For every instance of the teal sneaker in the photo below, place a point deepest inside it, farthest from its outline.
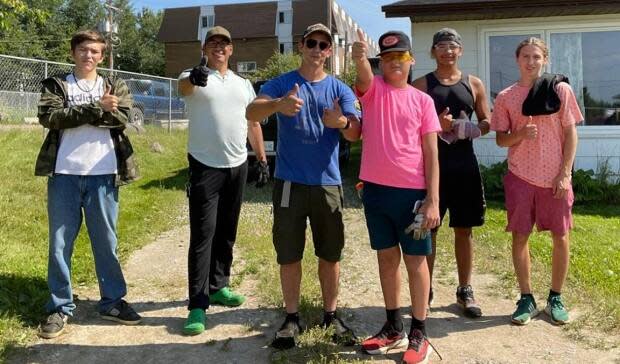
(226, 297)
(526, 310)
(195, 323)
(556, 310)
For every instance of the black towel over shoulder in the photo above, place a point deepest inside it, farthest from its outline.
(543, 99)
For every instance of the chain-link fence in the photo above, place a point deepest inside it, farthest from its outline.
(156, 99)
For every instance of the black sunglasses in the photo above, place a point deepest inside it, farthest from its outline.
(311, 43)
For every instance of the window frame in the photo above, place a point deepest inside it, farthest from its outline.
(576, 26)
(208, 17)
(245, 63)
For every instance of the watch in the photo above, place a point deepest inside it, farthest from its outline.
(348, 125)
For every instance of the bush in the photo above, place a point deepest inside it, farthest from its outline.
(588, 186)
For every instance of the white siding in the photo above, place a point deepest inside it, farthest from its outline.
(597, 144)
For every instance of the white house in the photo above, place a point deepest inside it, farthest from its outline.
(584, 42)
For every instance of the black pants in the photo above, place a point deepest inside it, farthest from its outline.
(215, 196)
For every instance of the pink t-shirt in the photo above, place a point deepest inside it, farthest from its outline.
(394, 121)
(537, 161)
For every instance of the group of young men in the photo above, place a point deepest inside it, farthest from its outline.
(417, 163)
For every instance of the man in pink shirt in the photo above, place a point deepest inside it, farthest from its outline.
(542, 147)
(399, 169)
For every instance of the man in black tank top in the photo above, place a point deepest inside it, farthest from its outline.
(457, 96)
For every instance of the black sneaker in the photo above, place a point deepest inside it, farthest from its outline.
(123, 313)
(286, 336)
(343, 335)
(53, 326)
(465, 298)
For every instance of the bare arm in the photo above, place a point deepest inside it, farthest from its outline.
(359, 54)
(354, 132)
(430, 209)
(420, 84)
(508, 139)
(481, 104)
(255, 136)
(185, 87)
(263, 105)
(562, 181)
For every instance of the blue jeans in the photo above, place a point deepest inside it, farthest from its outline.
(96, 197)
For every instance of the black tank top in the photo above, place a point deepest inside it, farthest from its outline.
(457, 97)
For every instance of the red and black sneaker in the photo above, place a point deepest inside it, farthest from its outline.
(419, 349)
(387, 339)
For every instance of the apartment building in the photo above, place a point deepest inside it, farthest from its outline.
(258, 30)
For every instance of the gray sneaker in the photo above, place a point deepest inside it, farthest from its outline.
(123, 313)
(53, 326)
(286, 337)
(465, 298)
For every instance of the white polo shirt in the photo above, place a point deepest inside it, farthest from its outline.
(218, 128)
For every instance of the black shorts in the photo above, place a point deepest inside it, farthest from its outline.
(462, 193)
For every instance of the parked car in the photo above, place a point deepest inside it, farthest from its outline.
(151, 101)
(270, 137)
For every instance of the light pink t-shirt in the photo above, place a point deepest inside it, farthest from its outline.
(537, 161)
(394, 121)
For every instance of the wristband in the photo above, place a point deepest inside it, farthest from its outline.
(348, 125)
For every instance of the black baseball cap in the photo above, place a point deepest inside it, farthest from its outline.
(394, 41)
(447, 35)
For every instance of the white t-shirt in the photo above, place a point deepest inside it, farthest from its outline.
(85, 150)
(218, 128)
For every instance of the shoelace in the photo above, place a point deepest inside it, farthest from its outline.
(556, 302)
(417, 337)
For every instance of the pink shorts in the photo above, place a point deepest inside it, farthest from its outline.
(527, 204)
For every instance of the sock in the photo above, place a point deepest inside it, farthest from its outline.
(292, 317)
(395, 319)
(527, 295)
(553, 293)
(418, 324)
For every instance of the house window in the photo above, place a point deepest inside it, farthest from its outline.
(590, 60)
(281, 48)
(589, 57)
(285, 17)
(246, 67)
(281, 17)
(208, 21)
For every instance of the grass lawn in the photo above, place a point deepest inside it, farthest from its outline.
(153, 204)
(147, 207)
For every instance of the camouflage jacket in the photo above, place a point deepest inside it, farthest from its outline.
(56, 115)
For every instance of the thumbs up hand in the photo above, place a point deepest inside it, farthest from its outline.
(445, 120)
(359, 50)
(109, 102)
(529, 131)
(199, 74)
(290, 104)
(333, 118)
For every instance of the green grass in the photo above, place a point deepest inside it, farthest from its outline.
(147, 207)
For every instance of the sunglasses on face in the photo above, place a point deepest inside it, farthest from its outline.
(311, 43)
(218, 44)
(397, 56)
(445, 46)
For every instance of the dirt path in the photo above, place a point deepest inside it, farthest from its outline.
(157, 274)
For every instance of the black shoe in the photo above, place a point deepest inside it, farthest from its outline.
(343, 335)
(53, 326)
(123, 313)
(286, 336)
(465, 298)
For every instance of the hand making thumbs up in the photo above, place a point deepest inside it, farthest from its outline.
(109, 102)
(360, 48)
(333, 118)
(200, 74)
(445, 119)
(290, 104)
(530, 130)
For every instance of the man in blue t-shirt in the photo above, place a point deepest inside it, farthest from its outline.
(313, 108)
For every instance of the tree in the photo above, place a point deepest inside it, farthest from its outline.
(278, 64)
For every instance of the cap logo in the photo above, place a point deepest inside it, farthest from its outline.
(389, 41)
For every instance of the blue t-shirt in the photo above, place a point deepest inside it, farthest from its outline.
(307, 150)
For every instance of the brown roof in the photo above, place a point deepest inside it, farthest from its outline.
(442, 10)
(179, 25)
(307, 13)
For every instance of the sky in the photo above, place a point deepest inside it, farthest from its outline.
(367, 13)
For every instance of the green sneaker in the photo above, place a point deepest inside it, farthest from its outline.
(556, 310)
(226, 297)
(195, 323)
(526, 310)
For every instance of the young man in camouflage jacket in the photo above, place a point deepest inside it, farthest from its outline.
(86, 156)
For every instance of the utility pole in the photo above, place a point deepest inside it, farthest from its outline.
(109, 28)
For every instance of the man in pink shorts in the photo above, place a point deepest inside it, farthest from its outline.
(535, 118)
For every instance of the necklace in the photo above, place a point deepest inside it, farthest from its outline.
(77, 82)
